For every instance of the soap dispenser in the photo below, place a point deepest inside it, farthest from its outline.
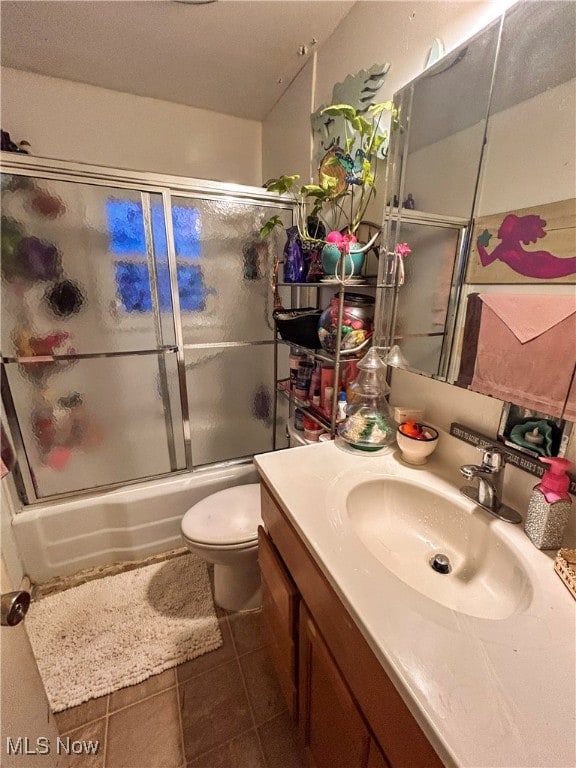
(549, 505)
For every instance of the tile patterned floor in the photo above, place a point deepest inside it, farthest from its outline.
(221, 710)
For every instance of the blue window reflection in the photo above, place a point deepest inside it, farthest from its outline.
(125, 223)
(133, 283)
(127, 237)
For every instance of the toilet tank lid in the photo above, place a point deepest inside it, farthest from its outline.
(231, 516)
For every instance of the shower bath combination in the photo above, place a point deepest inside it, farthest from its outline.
(137, 348)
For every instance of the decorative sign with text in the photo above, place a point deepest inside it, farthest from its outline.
(527, 463)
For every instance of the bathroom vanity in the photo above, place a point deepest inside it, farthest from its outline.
(382, 660)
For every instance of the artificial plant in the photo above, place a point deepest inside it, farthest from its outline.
(347, 174)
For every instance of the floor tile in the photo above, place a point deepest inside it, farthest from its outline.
(279, 741)
(83, 713)
(247, 631)
(146, 735)
(211, 659)
(94, 732)
(133, 693)
(214, 709)
(264, 691)
(241, 752)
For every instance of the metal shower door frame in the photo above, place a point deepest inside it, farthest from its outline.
(146, 184)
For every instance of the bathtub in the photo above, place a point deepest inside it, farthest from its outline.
(61, 538)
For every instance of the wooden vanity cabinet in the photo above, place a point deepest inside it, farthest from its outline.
(349, 713)
(280, 600)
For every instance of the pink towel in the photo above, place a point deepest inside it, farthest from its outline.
(570, 409)
(529, 316)
(527, 350)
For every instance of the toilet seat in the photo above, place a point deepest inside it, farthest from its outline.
(224, 547)
(226, 519)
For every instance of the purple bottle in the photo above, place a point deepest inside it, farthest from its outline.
(293, 257)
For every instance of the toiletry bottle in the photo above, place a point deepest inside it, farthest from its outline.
(303, 379)
(341, 415)
(327, 404)
(326, 381)
(296, 357)
(549, 506)
(314, 381)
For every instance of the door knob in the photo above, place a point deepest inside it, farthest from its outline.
(14, 607)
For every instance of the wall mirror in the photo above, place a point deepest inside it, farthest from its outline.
(462, 169)
(433, 170)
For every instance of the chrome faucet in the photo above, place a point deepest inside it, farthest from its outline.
(490, 476)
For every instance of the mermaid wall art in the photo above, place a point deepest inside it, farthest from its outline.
(531, 245)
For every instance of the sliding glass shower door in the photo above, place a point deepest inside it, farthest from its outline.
(88, 338)
(136, 330)
(227, 327)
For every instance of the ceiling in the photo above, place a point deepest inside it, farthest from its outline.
(231, 56)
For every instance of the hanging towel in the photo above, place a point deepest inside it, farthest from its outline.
(526, 350)
(529, 316)
(570, 408)
(470, 340)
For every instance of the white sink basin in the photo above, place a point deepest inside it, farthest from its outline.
(404, 525)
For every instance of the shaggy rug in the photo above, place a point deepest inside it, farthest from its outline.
(120, 630)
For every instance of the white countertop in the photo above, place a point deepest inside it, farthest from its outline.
(486, 692)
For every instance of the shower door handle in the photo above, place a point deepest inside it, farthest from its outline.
(14, 607)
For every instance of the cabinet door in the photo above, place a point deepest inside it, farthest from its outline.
(332, 730)
(280, 611)
(375, 757)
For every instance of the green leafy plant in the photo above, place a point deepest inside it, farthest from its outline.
(347, 182)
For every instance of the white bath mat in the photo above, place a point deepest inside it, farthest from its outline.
(120, 630)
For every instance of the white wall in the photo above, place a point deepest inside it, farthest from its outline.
(399, 32)
(530, 158)
(25, 709)
(286, 132)
(373, 32)
(11, 559)
(74, 121)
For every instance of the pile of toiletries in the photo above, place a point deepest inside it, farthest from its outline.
(313, 383)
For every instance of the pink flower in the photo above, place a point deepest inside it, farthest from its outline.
(402, 249)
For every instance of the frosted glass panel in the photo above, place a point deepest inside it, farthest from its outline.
(422, 353)
(423, 299)
(224, 269)
(99, 421)
(78, 272)
(230, 401)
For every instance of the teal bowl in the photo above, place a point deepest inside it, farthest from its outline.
(332, 265)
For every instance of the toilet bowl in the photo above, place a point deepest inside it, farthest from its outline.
(223, 530)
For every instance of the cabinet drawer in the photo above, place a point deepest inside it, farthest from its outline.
(282, 592)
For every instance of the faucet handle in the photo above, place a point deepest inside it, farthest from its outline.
(492, 457)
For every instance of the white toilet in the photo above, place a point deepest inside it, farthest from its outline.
(223, 529)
